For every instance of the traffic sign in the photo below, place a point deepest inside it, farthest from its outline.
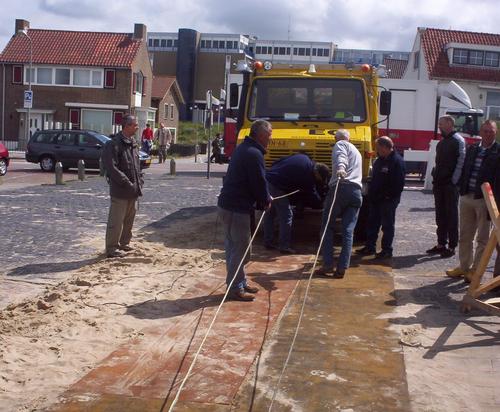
(28, 99)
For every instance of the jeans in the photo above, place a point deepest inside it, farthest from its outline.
(346, 207)
(282, 208)
(236, 240)
(446, 202)
(381, 214)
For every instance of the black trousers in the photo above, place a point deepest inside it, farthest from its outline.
(446, 203)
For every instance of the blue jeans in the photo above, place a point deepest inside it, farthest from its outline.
(381, 214)
(282, 208)
(236, 239)
(346, 207)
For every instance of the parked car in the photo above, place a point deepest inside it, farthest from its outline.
(4, 159)
(48, 147)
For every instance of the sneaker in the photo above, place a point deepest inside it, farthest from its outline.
(384, 254)
(435, 250)
(365, 251)
(288, 251)
(114, 254)
(457, 272)
(241, 295)
(339, 274)
(446, 253)
(326, 272)
(126, 248)
(251, 289)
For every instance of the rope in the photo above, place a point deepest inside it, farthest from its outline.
(220, 306)
(305, 298)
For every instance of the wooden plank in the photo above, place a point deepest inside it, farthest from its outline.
(470, 301)
(485, 287)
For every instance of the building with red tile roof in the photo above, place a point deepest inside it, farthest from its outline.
(79, 79)
(395, 67)
(167, 99)
(471, 59)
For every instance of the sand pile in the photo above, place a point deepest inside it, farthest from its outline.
(48, 343)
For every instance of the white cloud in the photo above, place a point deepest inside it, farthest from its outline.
(389, 24)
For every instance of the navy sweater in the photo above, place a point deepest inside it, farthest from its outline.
(245, 184)
(388, 178)
(295, 172)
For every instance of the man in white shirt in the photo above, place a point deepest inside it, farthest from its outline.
(347, 173)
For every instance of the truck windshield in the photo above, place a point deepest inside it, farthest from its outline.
(320, 99)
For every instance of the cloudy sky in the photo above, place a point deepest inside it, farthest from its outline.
(369, 24)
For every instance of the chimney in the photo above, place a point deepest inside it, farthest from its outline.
(22, 25)
(140, 31)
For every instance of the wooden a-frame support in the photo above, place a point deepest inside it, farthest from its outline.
(476, 289)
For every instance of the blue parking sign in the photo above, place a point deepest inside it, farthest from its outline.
(28, 99)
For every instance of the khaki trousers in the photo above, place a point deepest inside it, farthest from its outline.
(473, 218)
(120, 221)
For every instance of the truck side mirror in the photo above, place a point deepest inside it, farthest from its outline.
(385, 103)
(233, 94)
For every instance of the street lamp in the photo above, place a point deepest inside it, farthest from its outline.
(25, 32)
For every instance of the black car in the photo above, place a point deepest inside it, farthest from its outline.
(48, 147)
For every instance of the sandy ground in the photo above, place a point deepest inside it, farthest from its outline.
(49, 342)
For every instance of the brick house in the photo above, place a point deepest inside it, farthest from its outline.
(82, 80)
(167, 99)
(470, 59)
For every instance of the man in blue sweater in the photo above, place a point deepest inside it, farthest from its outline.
(295, 172)
(384, 194)
(244, 189)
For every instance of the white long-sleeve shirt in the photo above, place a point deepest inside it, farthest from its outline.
(346, 157)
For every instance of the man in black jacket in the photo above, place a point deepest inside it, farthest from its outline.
(121, 161)
(450, 154)
(481, 165)
(244, 189)
(384, 195)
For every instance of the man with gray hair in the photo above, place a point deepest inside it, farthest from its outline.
(347, 173)
(121, 161)
(450, 156)
(244, 190)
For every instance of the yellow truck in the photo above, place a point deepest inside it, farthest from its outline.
(306, 104)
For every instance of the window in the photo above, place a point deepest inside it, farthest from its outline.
(222, 44)
(165, 111)
(163, 43)
(86, 140)
(476, 57)
(176, 42)
(109, 78)
(63, 76)
(282, 51)
(156, 42)
(308, 52)
(17, 74)
(74, 116)
(314, 52)
(288, 50)
(66, 139)
(81, 77)
(416, 62)
(98, 120)
(258, 50)
(295, 51)
(45, 137)
(235, 44)
(150, 42)
(320, 52)
(491, 59)
(138, 82)
(460, 56)
(202, 44)
(172, 111)
(44, 75)
(169, 42)
(326, 52)
(209, 44)
(27, 75)
(96, 78)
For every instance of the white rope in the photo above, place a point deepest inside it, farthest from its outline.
(305, 298)
(220, 306)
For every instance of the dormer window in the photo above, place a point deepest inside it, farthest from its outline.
(474, 55)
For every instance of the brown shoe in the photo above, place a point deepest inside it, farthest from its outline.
(251, 289)
(240, 295)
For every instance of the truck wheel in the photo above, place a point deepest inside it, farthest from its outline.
(47, 163)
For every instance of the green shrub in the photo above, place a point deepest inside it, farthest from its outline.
(192, 133)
